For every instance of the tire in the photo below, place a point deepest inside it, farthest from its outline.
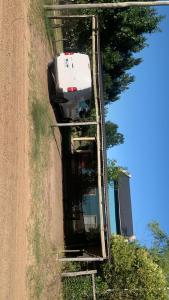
(61, 100)
(67, 120)
(51, 84)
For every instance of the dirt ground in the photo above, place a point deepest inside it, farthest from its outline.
(30, 209)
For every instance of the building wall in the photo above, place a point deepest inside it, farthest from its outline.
(125, 209)
(120, 206)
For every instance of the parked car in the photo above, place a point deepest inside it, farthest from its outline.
(70, 84)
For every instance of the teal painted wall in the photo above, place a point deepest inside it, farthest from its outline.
(91, 206)
(112, 208)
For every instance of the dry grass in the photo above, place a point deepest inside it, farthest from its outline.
(43, 274)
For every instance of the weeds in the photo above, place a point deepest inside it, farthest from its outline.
(79, 287)
(36, 283)
(43, 271)
(41, 123)
(49, 31)
(40, 250)
(37, 240)
(39, 18)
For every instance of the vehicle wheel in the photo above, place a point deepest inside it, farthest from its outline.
(61, 100)
(67, 120)
(51, 84)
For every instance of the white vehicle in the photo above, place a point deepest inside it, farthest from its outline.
(72, 83)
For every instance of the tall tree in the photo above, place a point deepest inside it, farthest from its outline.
(160, 247)
(132, 274)
(122, 34)
(113, 137)
(113, 170)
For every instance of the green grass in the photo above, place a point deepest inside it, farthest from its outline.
(54, 36)
(37, 243)
(36, 283)
(41, 135)
(50, 32)
(43, 270)
(39, 286)
(39, 18)
(41, 124)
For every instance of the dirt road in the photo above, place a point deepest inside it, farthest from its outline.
(14, 145)
(15, 148)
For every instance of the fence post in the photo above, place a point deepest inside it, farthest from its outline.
(94, 287)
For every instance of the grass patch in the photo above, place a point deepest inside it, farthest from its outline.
(39, 286)
(55, 36)
(39, 18)
(43, 271)
(37, 243)
(49, 31)
(41, 124)
(36, 283)
(79, 287)
(40, 250)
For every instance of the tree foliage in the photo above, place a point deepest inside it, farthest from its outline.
(113, 137)
(132, 274)
(160, 248)
(113, 170)
(122, 34)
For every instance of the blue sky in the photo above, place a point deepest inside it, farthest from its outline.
(142, 114)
